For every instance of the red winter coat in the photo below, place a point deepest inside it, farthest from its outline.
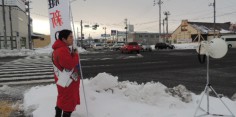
(68, 97)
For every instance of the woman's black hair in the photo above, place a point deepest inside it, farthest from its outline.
(62, 34)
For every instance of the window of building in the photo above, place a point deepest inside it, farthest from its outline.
(23, 42)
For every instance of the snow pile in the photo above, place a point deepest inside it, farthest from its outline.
(186, 46)
(180, 92)
(40, 100)
(9, 91)
(106, 97)
(15, 52)
(48, 50)
(27, 52)
(103, 81)
(44, 50)
(234, 97)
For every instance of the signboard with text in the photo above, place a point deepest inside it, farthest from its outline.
(113, 32)
(59, 16)
(105, 35)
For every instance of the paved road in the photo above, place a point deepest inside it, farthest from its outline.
(170, 67)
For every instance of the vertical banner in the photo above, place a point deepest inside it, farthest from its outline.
(59, 16)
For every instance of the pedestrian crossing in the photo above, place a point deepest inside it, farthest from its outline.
(38, 69)
(29, 70)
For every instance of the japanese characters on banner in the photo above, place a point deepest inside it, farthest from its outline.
(59, 16)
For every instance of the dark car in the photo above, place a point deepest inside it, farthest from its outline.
(164, 46)
(130, 47)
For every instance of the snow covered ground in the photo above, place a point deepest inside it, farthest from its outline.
(106, 97)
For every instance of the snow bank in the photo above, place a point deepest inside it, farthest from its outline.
(106, 97)
(15, 52)
(186, 46)
(27, 52)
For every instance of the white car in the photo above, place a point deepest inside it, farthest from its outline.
(145, 47)
(117, 45)
(98, 46)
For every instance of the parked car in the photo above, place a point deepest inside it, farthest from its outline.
(145, 47)
(164, 46)
(230, 40)
(98, 46)
(130, 47)
(117, 45)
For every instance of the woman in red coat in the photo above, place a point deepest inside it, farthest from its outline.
(66, 59)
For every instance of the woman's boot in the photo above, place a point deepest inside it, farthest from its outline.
(66, 114)
(58, 112)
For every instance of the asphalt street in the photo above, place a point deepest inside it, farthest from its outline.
(169, 67)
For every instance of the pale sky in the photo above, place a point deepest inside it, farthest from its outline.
(140, 13)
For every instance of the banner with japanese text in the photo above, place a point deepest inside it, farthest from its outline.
(59, 16)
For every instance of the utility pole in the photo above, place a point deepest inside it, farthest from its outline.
(81, 43)
(126, 27)
(89, 40)
(159, 3)
(166, 13)
(77, 33)
(105, 28)
(214, 8)
(11, 27)
(27, 3)
(164, 29)
(4, 25)
(214, 4)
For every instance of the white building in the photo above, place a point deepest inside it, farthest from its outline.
(16, 21)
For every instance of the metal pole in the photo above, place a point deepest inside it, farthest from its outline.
(167, 13)
(214, 5)
(164, 29)
(29, 28)
(208, 82)
(73, 25)
(4, 25)
(81, 24)
(77, 36)
(105, 32)
(89, 40)
(167, 25)
(126, 33)
(11, 27)
(160, 2)
(126, 29)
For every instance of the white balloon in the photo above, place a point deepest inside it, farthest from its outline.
(217, 48)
